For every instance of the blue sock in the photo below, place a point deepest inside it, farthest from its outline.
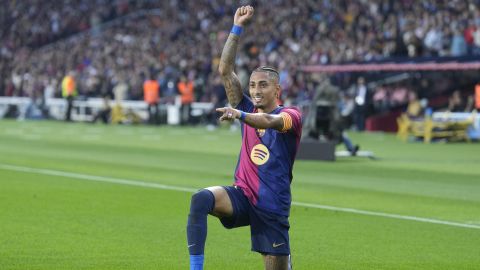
(196, 262)
(202, 203)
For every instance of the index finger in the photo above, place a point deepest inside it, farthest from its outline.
(221, 109)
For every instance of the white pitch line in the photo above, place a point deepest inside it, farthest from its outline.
(380, 214)
(95, 178)
(131, 182)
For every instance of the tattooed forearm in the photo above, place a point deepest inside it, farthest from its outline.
(227, 60)
(233, 88)
(264, 121)
(226, 69)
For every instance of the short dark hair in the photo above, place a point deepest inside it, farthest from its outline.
(272, 72)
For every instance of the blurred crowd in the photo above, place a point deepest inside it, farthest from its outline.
(35, 23)
(106, 43)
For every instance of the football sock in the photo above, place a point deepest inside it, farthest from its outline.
(202, 203)
(196, 262)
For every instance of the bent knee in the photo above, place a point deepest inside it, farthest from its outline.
(202, 195)
(223, 205)
(202, 201)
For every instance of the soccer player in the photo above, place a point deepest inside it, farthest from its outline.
(260, 196)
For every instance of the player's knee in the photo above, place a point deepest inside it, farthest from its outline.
(202, 201)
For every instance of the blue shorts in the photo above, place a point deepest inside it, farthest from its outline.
(269, 231)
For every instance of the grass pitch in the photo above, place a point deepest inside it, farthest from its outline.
(53, 217)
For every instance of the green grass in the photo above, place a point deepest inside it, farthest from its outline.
(59, 222)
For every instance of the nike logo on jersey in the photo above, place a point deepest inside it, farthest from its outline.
(275, 245)
(189, 246)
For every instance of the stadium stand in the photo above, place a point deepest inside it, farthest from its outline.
(104, 41)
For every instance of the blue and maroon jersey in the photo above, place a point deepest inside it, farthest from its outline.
(264, 168)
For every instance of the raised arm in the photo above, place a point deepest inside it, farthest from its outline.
(227, 60)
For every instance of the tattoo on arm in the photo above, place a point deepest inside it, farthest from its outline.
(226, 69)
(264, 120)
(233, 89)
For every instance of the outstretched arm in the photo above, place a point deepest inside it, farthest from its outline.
(280, 122)
(227, 60)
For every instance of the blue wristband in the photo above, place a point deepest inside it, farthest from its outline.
(237, 30)
(242, 116)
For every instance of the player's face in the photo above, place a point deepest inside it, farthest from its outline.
(263, 90)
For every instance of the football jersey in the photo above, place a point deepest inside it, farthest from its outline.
(264, 168)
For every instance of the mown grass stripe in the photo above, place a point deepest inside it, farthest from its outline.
(137, 183)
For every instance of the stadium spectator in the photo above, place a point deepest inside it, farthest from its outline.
(399, 95)
(381, 99)
(186, 89)
(476, 42)
(434, 40)
(340, 119)
(362, 97)
(151, 96)
(414, 108)
(456, 102)
(468, 36)
(104, 113)
(459, 46)
(346, 107)
(49, 91)
(477, 97)
(219, 99)
(120, 90)
(69, 92)
(34, 108)
(470, 103)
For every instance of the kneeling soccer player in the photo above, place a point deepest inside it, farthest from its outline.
(260, 196)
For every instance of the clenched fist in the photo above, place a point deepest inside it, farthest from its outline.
(243, 15)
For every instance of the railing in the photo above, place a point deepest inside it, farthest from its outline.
(84, 110)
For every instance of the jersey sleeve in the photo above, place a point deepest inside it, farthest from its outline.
(292, 120)
(245, 104)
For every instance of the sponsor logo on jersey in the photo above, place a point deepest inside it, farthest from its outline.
(259, 154)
